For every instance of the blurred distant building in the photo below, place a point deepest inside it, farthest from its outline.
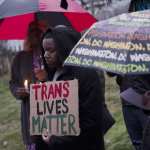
(15, 45)
(103, 9)
(94, 5)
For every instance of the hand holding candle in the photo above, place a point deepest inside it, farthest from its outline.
(23, 92)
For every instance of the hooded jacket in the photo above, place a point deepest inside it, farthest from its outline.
(90, 113)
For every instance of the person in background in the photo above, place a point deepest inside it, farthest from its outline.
(135, 117)
(57, 44)
(27, 65)
(141, 84)
(137, 5)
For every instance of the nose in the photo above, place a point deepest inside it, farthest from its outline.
(47, 55)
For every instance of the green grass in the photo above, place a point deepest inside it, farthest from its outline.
(10, 137)
(117, 137)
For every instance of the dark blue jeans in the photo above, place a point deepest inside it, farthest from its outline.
(135, 121)
(146, 136)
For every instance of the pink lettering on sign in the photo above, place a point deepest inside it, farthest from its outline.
(36, 89)
(51, 91)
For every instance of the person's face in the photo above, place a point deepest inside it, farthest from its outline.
(50, 52)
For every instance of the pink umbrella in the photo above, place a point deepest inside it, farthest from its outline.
(19, 14)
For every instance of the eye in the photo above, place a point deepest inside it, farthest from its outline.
(53, 51)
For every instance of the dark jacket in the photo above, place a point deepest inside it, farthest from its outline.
(124, 82)
(22, 69)
(141, 83)
(90, 113)
(108, 120)
(146, 136)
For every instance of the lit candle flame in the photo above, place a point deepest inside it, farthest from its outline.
(26, 84)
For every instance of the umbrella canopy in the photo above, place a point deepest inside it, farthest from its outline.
(17, 7)
(16, 16)
(120, 45)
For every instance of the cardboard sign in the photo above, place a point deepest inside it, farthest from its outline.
(54, 106)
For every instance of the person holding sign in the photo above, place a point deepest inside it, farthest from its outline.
(23, 69)
(57, 44)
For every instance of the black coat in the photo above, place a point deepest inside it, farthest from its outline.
(90, 113)
(21, 70)
(141, 83)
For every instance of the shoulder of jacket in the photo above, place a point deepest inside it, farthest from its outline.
(22, 54)
(85, 73)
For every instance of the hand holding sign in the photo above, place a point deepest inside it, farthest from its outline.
(46, 136)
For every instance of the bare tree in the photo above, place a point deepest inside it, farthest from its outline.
(6, 56)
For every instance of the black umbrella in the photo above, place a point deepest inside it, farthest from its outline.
(120, 45)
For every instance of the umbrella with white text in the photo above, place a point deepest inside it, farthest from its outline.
(119, 45)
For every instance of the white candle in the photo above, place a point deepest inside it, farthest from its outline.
(26, 84)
